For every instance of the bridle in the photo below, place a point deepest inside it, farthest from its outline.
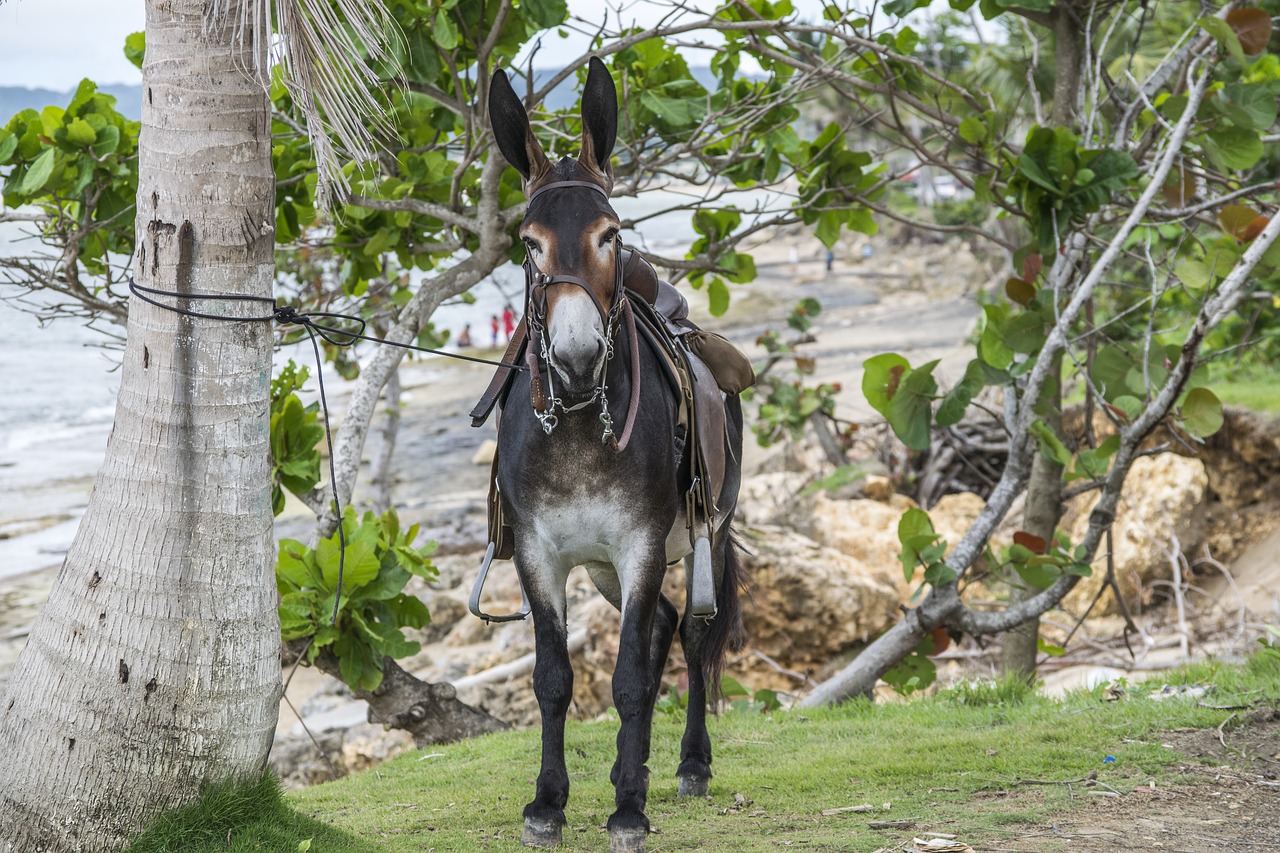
(544, 400)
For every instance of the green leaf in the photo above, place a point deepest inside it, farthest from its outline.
(1049, 648)
(915, 532)
(1050, 445)
(1040, 575)
(1202, 412)
(81, 133)
(545, 13)
(135, 46)
(1251, 106)
(1223, 35)
(717, 296)
(882, 374)
(446, 31)
(915, 671)
(1237, 148)
(38, 173)
(8, 144)
(991, 345)
(911, 409)
(972, 130)
(730, 687)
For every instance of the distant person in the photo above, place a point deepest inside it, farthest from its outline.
(831, 258)
(493, 327)
(508, 321)
(464, 339)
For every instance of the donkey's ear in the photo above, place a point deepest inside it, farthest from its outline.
(511, 129)
(599, 118)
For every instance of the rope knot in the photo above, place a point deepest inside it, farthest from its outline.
(286, 314)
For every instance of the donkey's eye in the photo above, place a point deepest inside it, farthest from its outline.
(609, 236)
(531, 244)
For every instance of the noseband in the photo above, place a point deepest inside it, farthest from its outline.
(545, 402)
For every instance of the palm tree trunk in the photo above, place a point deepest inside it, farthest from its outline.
(154, 668)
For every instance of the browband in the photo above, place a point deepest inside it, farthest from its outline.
(555, 185)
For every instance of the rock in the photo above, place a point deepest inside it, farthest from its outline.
(485, 452)
(878, 488)
(299, 762)
(954, 514)
(811, 601)
(1243, 459)
(865, 530)
(762, 497)
(368, 745)
(1163, 498)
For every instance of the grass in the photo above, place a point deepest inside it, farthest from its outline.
(1255, 387)
(941, 759)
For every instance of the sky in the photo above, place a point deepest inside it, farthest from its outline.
(53, 44)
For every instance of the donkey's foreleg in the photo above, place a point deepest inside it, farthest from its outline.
(553, 685)
(665, 620)
(634, 691)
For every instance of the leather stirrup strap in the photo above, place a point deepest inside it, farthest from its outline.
(501, 376)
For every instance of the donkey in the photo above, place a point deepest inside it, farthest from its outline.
(575, 495)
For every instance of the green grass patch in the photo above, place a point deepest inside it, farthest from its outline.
(1254, 387)
(952, 759)
(243, 818)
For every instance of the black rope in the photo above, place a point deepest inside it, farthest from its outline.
(288, 315)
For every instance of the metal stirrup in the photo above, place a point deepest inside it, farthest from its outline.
(473, 603)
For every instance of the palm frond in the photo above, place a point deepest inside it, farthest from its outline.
(328, 50)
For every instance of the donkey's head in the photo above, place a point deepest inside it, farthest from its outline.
(569, 231)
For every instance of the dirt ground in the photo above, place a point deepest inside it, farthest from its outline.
(1229, 799)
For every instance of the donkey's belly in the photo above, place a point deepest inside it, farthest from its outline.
(599, 529)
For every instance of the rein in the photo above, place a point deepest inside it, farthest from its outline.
(543, 399)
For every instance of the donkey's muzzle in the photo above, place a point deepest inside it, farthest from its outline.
(578, 363)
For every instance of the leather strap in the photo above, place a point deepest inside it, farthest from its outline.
(555, 185)
(634, 403)
(502, 376)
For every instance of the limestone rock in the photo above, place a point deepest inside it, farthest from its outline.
(485, 452)
(763, 497)
(864, 530)
(954, 514)
(878, 488)
(1163, 497)
(811, 601)
(299, 761)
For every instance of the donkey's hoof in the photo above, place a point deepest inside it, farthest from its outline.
(630, 840)
(539, 832)
(693, 786)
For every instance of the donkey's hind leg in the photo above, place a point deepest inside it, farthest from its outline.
(705, 643)
(553, 685)
(694, 772)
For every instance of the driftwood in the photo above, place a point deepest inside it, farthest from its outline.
(432, 713)
(966, 457)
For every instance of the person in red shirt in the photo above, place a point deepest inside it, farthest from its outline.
(508, 321)
(493, 327)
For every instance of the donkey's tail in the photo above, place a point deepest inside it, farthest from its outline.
(726, 632)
